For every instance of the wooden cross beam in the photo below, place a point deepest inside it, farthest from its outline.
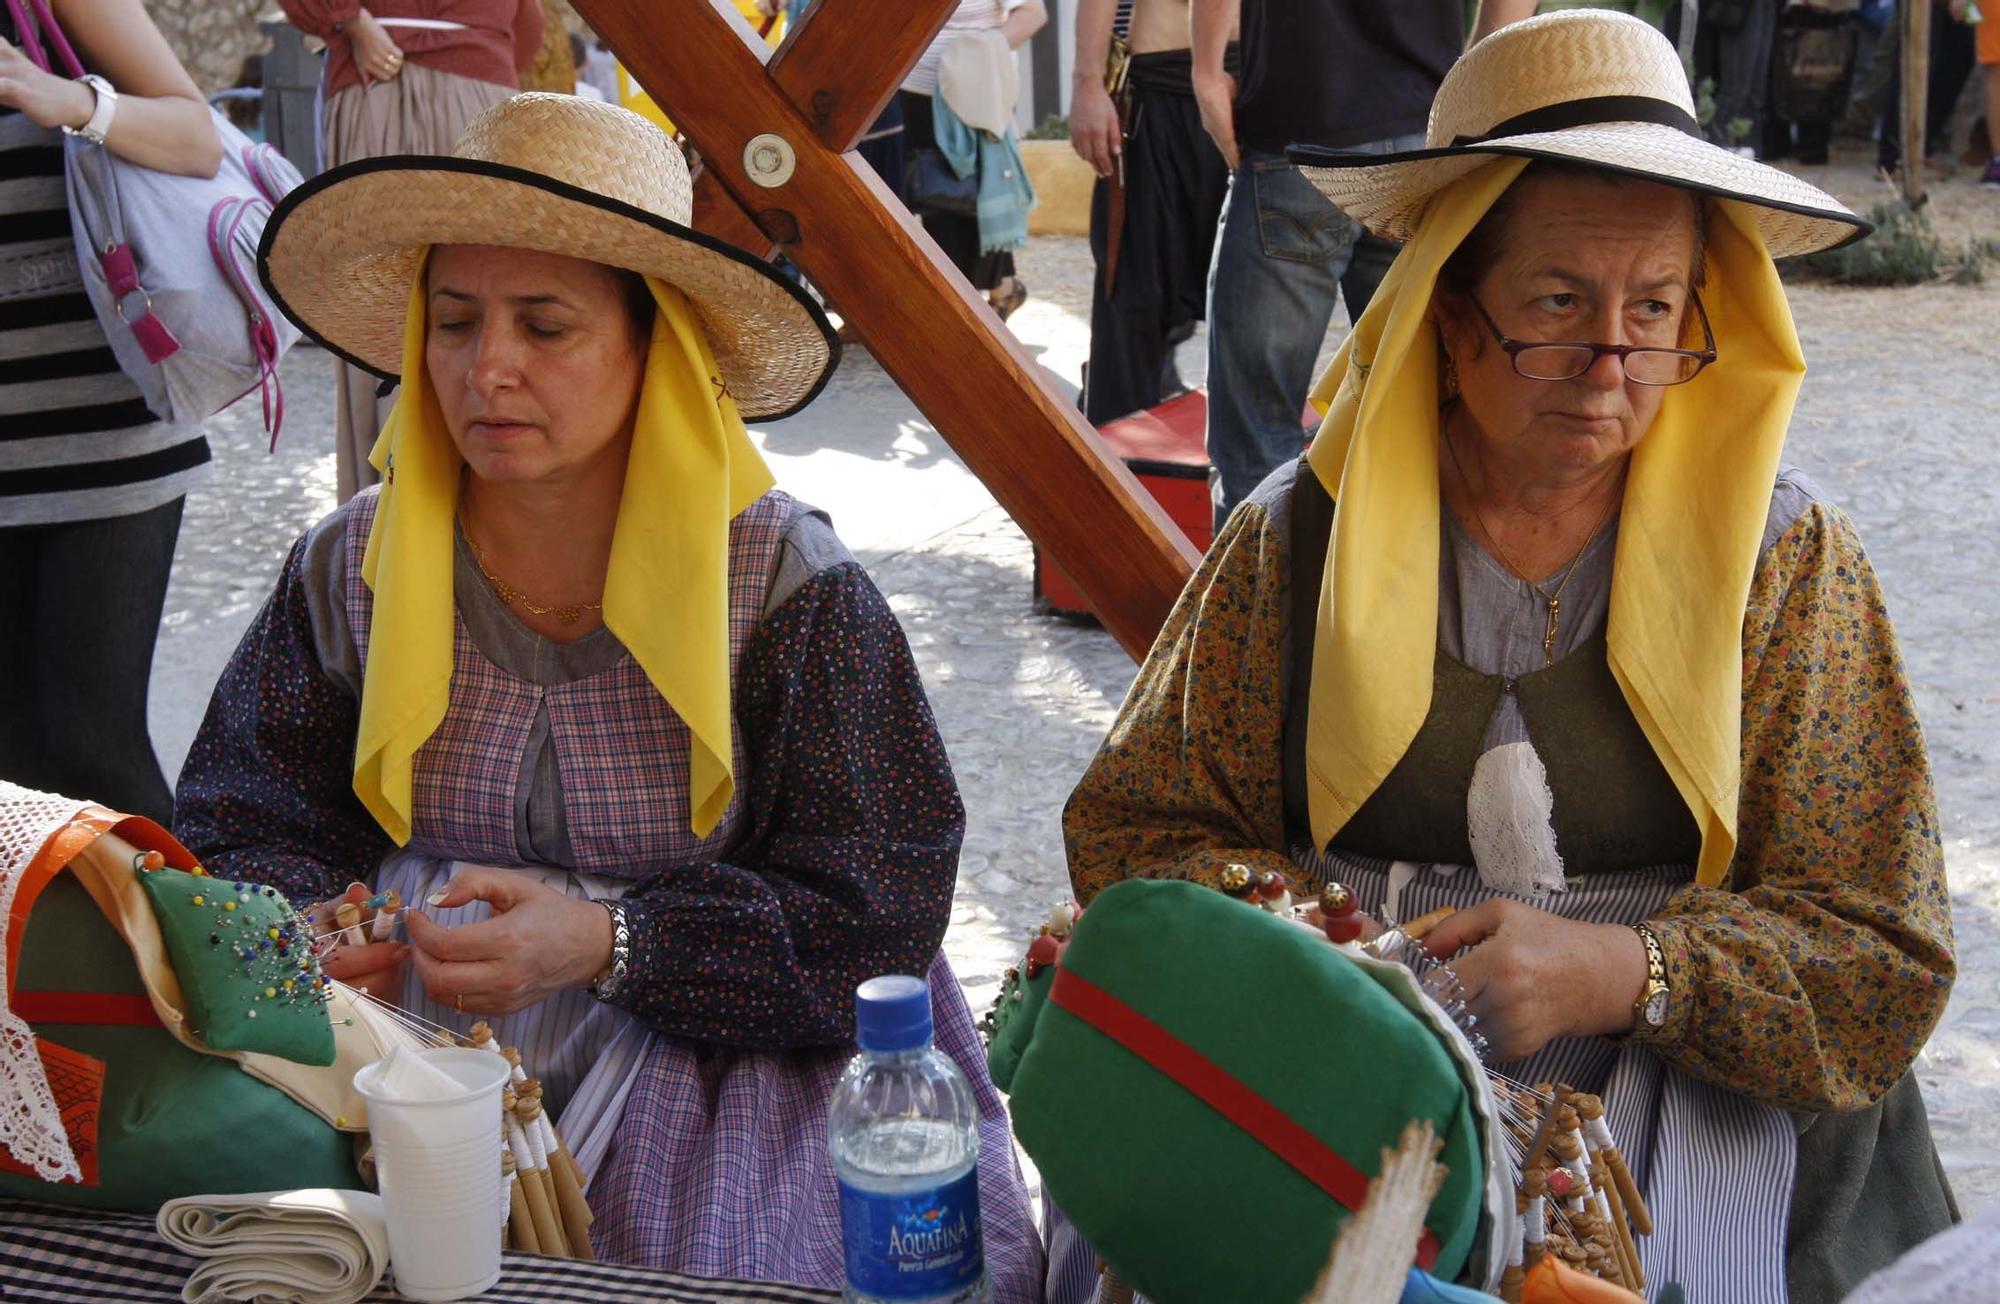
(933, 334)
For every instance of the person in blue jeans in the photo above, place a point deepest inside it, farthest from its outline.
(1283, 254)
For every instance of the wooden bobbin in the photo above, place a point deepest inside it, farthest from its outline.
(1628, 1190)
(567, 1192)
(1423, 924)
(1628, 1249)
(1510, 1284)
(1534, 1186)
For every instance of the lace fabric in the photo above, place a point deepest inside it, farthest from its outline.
(1510, 814)
(31, 1128)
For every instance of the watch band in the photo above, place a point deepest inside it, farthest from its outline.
(607, 984)
(99, 125)
(1649, 1011)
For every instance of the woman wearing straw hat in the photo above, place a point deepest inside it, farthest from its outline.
(631, 723)
(1544, 602)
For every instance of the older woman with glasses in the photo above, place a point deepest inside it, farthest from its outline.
(1542, 634)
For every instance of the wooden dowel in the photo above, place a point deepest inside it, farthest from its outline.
(519, 1224)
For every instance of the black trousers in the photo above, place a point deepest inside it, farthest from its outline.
(79, 616)
(956, 235)
(1175, 182)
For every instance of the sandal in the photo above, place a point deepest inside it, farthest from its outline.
(1016, 295)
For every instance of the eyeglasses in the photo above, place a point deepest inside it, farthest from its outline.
(1644, 364)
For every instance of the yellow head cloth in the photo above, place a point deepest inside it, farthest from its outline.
(1696, 497)
(692, 468)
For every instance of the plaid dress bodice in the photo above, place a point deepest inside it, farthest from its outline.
(622, 752)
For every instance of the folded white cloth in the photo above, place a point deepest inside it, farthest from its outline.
(315, 1246)
(981, 79)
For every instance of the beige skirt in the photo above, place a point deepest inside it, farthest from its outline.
(420, 111)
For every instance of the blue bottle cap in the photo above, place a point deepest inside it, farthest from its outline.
(892, 1012)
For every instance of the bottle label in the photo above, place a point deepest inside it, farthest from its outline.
(913, 1244)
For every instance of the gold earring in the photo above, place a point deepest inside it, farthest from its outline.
(1450, 374)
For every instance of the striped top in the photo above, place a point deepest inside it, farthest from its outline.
(970, 16)
(76, 439)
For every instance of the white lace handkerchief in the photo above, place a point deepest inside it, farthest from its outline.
(31, 1126)
(1509, 816)
(315, 1246)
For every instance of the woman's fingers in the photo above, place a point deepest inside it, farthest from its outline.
(374, 967)
(486, 940)
(1467, 927)
(473, 987)
(502, 889)
(345, 961)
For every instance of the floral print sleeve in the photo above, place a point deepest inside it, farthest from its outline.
(1188, 780)
(1812, 977)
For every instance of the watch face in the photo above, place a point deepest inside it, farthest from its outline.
(1656, 1008)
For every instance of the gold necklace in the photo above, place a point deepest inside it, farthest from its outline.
(1553, 601)
(511, 595)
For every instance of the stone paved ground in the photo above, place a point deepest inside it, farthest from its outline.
(1899, 420)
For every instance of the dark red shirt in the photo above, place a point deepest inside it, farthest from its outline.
(497, 43)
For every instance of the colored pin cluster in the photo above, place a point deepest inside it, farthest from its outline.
(1045, 948)
(277, 959)
(1270, 889)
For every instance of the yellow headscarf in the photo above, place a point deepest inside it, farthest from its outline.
(1696, 498)
(692, 468)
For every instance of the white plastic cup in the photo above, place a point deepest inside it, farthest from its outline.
(438, 1163)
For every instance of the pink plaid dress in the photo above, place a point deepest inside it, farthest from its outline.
(717, 1160)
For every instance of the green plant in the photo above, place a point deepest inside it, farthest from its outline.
(1903, 250)
(1053, 127)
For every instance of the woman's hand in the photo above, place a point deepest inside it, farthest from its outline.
(46, 99)
(1024, 22)
(378, 57)
(1532, 976)
(373, 967)
(537, 943)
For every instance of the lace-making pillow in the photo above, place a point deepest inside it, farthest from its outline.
(245, 963)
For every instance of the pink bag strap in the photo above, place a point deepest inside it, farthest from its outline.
(31, 30)
(225, 220)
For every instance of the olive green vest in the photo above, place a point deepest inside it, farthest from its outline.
(1615, 806)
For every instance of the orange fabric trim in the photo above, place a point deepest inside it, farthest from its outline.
(65, 845)
(77, 1080)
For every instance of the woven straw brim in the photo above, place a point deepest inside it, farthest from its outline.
(339, 252)
(1388, 193)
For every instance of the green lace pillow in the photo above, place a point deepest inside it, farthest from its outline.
(245, 964)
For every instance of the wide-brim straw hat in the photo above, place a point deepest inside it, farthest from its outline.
(553, 173)
(1584, 86)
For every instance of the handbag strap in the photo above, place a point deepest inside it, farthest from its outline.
(225, 222)
(31, 24)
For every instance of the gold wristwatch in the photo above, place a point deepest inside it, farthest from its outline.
(1649, 1012)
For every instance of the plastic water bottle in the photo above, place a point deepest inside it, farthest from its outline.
(904, 1130)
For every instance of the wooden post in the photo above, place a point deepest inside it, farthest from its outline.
(1916, 95)
(931, 331)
